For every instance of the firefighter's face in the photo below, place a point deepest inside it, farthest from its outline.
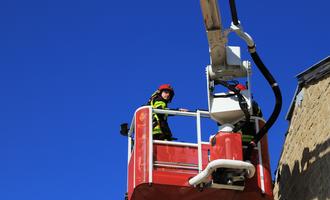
(166, 94)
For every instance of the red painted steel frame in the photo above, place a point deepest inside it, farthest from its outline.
(175, 163)
(226, 146)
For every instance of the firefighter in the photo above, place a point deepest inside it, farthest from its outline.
(256, 110)
(159, 100)
(248, 131)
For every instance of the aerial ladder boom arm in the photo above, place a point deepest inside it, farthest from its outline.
(225, 61)
(226, 65)
(215, 35)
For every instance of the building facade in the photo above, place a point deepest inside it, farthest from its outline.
(304, 167)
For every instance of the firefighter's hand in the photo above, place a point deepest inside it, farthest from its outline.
(183, 110)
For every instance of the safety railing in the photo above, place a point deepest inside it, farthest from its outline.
(198, 114)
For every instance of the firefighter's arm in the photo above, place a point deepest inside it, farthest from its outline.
(160, 105)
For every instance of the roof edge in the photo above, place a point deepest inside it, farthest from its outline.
(306, 76)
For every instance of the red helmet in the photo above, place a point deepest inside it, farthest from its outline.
(169, 88)
(241, 87)
(165, 87)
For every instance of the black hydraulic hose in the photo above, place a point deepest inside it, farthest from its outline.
(278, 104)
(233, 10)
(244, 106)
(277, 93)
(271, 81)
(242, 103)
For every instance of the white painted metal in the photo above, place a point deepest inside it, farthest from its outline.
(129, 149)
(134, 167)
(261, 168)
(258, 118)
(131, 128)
(129, 136)
(247, 66)
(227, 110)
(177, 163)
(238, 29)
(226, 128)
(233, 56)
(199, 141)
(210, 86)
(175, 166)
(222, 163)
(181, 113)
(128, 156)
(150, 146)
(185, 144)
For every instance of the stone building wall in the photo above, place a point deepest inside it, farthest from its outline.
(304, 168)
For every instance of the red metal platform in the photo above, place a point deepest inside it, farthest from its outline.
(161, 169)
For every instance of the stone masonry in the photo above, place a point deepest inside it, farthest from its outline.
(304, 168)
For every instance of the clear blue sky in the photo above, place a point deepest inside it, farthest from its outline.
(72, 71)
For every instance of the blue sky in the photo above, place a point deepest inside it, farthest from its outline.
(72, 71)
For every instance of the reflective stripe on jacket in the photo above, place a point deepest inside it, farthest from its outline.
(157, 118)
(247, 138)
